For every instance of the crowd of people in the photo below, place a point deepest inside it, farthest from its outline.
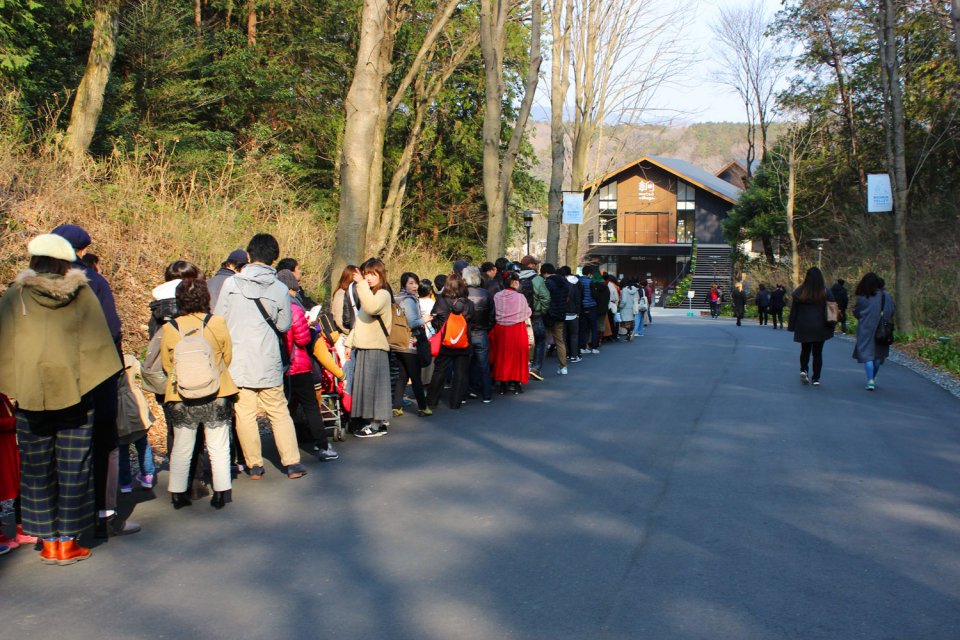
(247, 345)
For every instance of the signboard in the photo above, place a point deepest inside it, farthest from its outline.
(879, 194)
(646, 192)
(691, 294)
(572, 207)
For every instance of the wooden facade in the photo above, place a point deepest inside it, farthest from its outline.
(642, 218)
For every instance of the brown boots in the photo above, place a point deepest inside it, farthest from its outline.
(63, 552)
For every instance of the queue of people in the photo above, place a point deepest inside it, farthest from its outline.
(249, 344)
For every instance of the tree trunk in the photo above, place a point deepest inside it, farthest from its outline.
(197, 18)
(88, 102)
(791, 204)
(846, 103)
(226, 22)
(251, 23)
(890, 63)
(559, 85)
(955, 19)
(497, 175)
(364, 108)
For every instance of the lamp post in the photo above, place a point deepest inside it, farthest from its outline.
(527, 223)
(819, 242)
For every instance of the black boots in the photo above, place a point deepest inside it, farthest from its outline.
(217, 501)
(180, 500)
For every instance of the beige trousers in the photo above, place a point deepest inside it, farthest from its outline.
(272, 402)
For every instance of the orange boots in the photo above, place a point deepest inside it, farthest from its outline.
(63, 552)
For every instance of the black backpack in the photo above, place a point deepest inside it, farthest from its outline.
(349, 307)
(526, 288)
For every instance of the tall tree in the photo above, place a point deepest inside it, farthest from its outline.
(622, 52)
(751, 66)
(895, 130)
(88, 101)
(560, 25)
(498, 167)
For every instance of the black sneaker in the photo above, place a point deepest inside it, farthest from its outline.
(369, 432)
(535, 373)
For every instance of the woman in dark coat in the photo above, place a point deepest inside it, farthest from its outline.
(739, 302)
(872, 303)
(454, 299)
(808, 321)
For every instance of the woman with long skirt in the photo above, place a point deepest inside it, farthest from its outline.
(508, 340)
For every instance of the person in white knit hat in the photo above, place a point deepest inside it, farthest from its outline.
(63, 350)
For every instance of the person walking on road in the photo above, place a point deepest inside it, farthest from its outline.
(714, 298)
(739, 299)
(777, 303)
(763, 304)
(873, 303)
(808, 321)
(843, 301)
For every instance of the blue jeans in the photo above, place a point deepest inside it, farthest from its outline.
(480, 381)
(539, 342)
(144, 455)
(638, 324)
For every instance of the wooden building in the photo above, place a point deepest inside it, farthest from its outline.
(642, 219)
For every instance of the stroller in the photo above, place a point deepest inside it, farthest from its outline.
(329, 390)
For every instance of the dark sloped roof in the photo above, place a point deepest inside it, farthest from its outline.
(687, 170)
(683, 169)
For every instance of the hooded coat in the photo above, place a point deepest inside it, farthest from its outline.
(256, 348)
(629, 298)
(55, 341)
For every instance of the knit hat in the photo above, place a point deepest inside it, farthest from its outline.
(238, 257)
(52, 246)
(76, 236)
(460, 265)
(288, 279)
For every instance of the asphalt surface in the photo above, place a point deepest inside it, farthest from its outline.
(682, 486)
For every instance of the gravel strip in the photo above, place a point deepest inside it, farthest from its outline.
(934, 375)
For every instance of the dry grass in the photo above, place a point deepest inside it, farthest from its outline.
(141, 219)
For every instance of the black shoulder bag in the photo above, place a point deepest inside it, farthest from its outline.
(281, 338)
(884, 333)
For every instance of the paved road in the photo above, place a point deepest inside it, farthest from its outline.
(683, 486)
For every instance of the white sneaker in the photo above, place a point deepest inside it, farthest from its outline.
(562, 371)
(804, 378)
(594, 350)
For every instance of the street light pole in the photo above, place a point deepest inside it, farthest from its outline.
(527, 223)
(819, 242)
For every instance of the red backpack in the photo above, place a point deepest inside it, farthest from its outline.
(455, 332)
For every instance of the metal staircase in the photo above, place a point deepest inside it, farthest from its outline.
(713, 265)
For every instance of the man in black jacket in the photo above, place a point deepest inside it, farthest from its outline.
(556, 312)
(484, 317)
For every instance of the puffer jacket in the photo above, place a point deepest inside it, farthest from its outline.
(588, 301)
(256, 349)
(559, 289)
(298, 339)
(484, 316)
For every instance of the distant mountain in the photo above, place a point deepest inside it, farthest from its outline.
(709, 145)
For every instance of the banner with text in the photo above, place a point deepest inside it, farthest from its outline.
(572, 207)
(879, 194)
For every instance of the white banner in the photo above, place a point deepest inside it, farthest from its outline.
(879, 194)
(572, 207)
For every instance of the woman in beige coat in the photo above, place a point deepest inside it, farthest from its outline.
(214, 412)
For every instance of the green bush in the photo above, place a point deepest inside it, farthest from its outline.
(945, 356)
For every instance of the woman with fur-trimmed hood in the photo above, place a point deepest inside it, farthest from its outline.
(56, 348)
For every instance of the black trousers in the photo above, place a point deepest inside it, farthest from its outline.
(303, 395)
(762, 313)
(573, 337)
(777, 316)
(461, 378)
(806, 348)
(409, 364)
(105, 439)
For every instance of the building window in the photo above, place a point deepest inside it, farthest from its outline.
(608, 213)
(686, 211)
